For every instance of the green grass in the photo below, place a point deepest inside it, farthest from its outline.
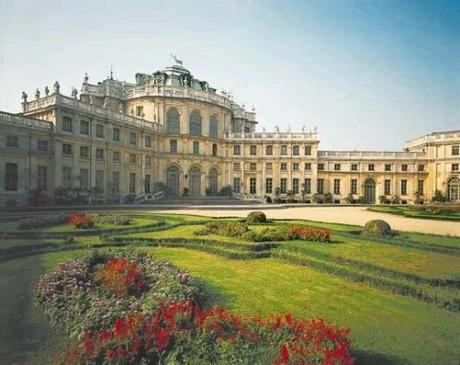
(417, 212)
(387, 328)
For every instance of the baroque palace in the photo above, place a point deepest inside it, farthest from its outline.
(120, 140)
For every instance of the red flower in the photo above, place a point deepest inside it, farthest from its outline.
(162, 339)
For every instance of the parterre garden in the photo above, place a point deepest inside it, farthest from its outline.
(126, 288)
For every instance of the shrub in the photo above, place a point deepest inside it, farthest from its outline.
(268, 200)
(377, 228)
(256, 217)
(43, 221)
(384, 200)
(439, 197)
(82, 220)
(226, 191)
(395, 199)
(309, 234)
(233, 229)
(328, 198)
(119, 220)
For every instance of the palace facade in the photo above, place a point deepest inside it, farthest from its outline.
(169, 130)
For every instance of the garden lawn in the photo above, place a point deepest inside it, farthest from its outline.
(386, 328)
(417, 212)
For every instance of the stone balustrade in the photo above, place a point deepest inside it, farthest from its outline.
(18, 120)
(438, 137)
(300, 137)
(369, 155)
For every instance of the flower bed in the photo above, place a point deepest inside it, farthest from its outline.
(119, 220)
(43, 221)
(82, 220)
(279, 233)
(131, 309)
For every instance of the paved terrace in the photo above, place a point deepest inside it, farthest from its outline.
(348, 215)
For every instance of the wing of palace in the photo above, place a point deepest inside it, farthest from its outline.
(170, 131)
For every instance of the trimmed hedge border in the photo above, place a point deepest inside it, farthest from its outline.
(445, 302)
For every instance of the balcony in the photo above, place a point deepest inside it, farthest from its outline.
(294, 137)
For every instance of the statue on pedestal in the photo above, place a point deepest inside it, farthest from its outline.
(24, 97)
(47, 90)
(37, 94)
(74, 93)
(57, 87)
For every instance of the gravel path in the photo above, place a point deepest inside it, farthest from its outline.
(347, 215)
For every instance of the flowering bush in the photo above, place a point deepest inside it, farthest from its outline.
(82, 294)
(82, 220)
(121, 276)
(183, 333)
(309, 234)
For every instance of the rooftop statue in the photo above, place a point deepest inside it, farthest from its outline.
(47, 90)
(57, 87)
(24, 97)
(178, 61)
(86, 78)
(74, 92)
(37, 94)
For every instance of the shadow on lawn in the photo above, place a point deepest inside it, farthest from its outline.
(375, 358)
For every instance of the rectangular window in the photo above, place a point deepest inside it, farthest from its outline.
(268, 185)
(283, 166)
(67, 124)
(116, 134)
(420, 187)
(307, 186)
(295, 166)
(132, 158)
(99, 131)
(337, 186)
(132, 138)
(67, 149)
(269, 166)
(296, 150)
(84, 127)
(295, 185)
(196, 147)
(147, 162)
(354, 167)
(84, 179)
(253, 150)
(173, 145)
(147, 184)
(139, 111)
(115, 181)
(307, 166)
(236, 185)
(42, 178)
(455, 167)
(320, 167)
(307, 150)
(148, 141)
(371, 167)
(337, 167)
(284, 150)
(84, 152)
(320, 186)
(100, 181)
(354, 186)
(404, 167)
(283, 185)
(403, 187)
(214, 149)
(236, 166)
(43, 146)
(387, 167)
(421, 168)
(236, 150)
(387, 187)
(12, 141)
(67, 177)
(116, 156)
(99, 154)
(132, 183)
(11, 177)
(269, 150)
(253, 166)
(252, 185)
(455, 150)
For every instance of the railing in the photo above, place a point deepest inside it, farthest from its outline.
(242, 114)
(434, 138)
(273, 136)
(19, 120)
(371, 155)
(57, 99)
(179, 92)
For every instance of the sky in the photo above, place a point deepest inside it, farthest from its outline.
(368, 74)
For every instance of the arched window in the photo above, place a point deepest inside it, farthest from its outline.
(213, 186)
(213, 127)
(195, 124)
(172, 121)
(453, 189)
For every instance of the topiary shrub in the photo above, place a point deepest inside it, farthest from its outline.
(377, 228)
(256, 217)
(43, 221)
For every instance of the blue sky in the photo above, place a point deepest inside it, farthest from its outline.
(368, 74)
